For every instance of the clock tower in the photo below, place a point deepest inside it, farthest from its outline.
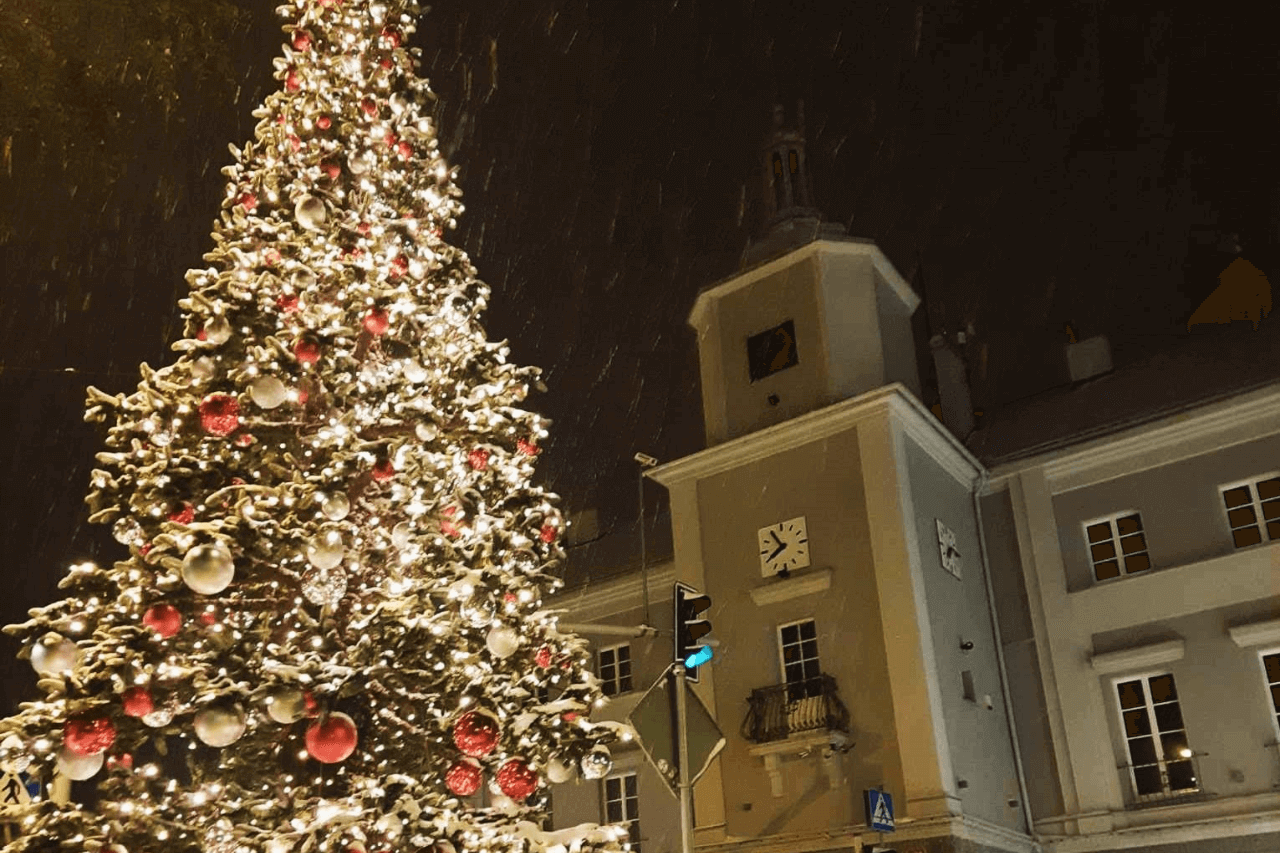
(814, 316)
(831, 519)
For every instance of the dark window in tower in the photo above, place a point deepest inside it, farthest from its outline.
(796, 195)
(779, 185)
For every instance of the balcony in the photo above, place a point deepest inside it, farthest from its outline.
(783, 710)
(797, 719)
(1164, 782)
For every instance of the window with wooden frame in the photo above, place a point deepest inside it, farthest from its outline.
(1253, 510)
(1271, 675)
(622, 805)
(798, 649)
(1160, 759)
(615, 669)
(1117, 545)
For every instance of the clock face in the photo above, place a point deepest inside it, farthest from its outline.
(947, 549)
(783, 546)
(772, 350)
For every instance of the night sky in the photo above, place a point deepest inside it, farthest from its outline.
(1024, 166)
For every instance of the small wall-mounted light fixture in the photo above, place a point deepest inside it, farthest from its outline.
(966, 645)
(773, 399)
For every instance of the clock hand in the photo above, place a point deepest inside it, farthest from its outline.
(776, 539)
(776, 551)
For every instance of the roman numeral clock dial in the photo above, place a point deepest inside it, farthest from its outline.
(784, 546)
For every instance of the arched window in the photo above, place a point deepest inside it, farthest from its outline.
(797, 194)
(779, 184)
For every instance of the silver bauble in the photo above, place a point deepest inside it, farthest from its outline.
(597, 763)
(78, 768)
(127, 531)
(161, 715)
(208, 569)
(220, 725)
(218, 330)
(502, 642)
(414, 371)
(203, 367)
(478, 611)
(54, 657)
(16, 757)
(559, 772)
(324, 587)
(402, 534)
(268, 392)
(310, 212)
(335, 506)
(326, 549)
(361, 162)
(425, 431)
(286, 705)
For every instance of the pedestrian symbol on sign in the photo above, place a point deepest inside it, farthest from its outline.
(880, 811)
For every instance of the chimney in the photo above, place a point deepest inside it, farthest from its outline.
(953, 388)
(1088, 358)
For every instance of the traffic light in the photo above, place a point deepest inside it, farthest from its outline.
(689, 629)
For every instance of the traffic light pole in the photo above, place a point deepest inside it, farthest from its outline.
(682, 737)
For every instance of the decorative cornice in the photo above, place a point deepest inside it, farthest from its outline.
(806, 583)
(848, 246)
(1169, 439)
(1255, 633)
(616, 595)
(859, 837)
(1139, 657)
(893, 401)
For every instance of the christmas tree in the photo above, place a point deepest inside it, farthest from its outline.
(328, 631)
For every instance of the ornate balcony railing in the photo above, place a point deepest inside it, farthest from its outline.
(783, 710)
(1164, 782)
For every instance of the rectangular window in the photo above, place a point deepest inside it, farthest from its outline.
(615, 669)
(1253, 511)
(1117, 545)
(1271, 672)
(622, 805)
(798, 644)
(1160, 760)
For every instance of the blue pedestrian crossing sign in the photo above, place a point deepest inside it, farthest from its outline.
(880, 811)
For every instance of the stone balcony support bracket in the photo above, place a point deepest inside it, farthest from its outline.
(829, 745)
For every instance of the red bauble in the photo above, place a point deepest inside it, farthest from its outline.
(301, 40)
(208, 617)
(363, 227)
(271, 256)
(548, 533)
(332, 740)
(517, 779)
(476, 734)
(391, 35)
(164, 619)
(291, 81)
(383, 470)
(370, 107)
(390, 139)
(463, 778)
(399, 265)
(88, 736)
(306, 350)
(527, 448)
(250, 201)
(377, 321)
(303, 397)
(405, 149)
(219, 414)
(324, 123)
(184, 513)
(510, 597)
(288, 302)
(137, 702)
(244, 439)
(295, 142)
(478, 459)
(543, 657)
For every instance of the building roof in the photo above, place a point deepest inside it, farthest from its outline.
(1204, 367)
